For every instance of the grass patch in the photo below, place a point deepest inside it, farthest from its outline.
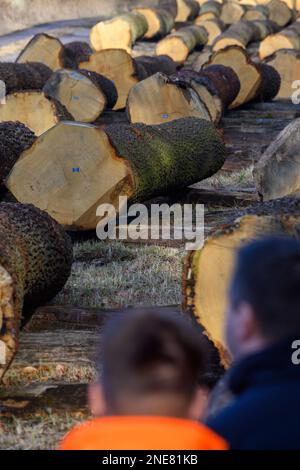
(112, 274)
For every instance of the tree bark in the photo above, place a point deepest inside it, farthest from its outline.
(35, 263)
(131, 160)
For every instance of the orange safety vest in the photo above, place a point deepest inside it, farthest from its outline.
(142, 433)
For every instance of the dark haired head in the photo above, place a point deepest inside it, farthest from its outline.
(150, 354)
(267, 277)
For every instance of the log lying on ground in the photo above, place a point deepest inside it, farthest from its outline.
(279, 12)
(187, 10)
(120, 32)
(35, 263)
(209, 10)
(84, 94)
(232, 12)
(213, 27)
(287, 64)
(160, 22)
(288, 38)
(124, 71)
(159, 99)
(207, 272)
(76, 52)
(270, 83)
(14, 139)
(118, 66)
(132, 160)
(244, 32)
(217, 86)
(18, 77)
(258, 12)
(33, 109)
(179, 44)
(277, 173)
(238, 34)
(43, 48)
(247, 71)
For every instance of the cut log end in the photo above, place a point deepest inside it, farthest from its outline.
(43, 48)
(34, 110)
(157, 100)
(92, 169)
(118, 66)
(77, 93)
(247, 71)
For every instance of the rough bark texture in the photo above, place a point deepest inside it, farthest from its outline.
(207, 272)
(76, 52)
(217, 86)
(247, 71)
(135, 160)
(36, 256)
(14, 139)
(18, 77)
(147, 66)
(270, 84)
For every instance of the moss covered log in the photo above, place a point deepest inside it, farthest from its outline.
(19, 77)
(207, 271)
(14, 139)
(84, 94)
(137, 161)
(35, 263)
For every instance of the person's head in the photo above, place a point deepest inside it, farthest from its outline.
(264, 296)
(150, 364)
